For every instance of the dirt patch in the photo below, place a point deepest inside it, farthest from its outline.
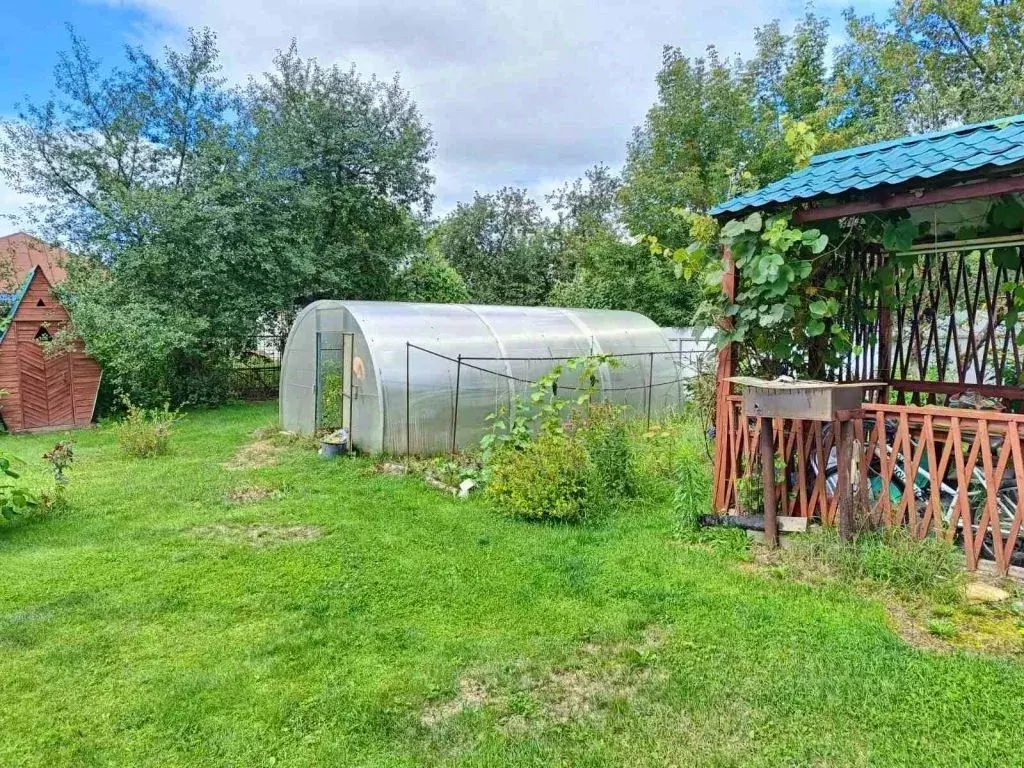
(525, 697)
(257, 534)
(923, 622)
(608, 672)
(258, 455)
(249, 493)
(913, 630)
(389, 468)
(471, 695)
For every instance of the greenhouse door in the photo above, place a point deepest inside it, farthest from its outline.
(334, 390)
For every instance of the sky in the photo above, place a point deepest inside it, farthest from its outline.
(519, 93)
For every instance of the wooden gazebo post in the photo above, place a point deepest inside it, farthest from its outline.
(726, 369)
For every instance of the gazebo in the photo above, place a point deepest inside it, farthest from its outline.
(923, 275)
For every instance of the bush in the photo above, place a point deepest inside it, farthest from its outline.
(551, 478)
(611, 451)
(146, 432)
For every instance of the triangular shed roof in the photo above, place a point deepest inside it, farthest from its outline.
(871, 171)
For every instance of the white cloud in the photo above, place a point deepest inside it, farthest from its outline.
(12, 204)
(525, 93)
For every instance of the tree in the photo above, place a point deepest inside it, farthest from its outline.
(584, 208)
(200, 213)
(931, 64)
(719, 127)
(499, 244)
(142, 173)
(347, 156)
(428, 277)
(615, 274)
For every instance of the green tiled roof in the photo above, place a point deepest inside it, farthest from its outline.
(5, 324)
(967, 148)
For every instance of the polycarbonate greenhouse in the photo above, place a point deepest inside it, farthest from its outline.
(366, 365)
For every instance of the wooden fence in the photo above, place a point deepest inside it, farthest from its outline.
(950, 472)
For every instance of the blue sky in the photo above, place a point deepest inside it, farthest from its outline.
(519, 92)
(35, 30)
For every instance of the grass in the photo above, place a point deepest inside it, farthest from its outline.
(211, 608)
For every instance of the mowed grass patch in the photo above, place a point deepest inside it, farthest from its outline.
(417, 629)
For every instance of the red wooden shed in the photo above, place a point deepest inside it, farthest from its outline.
(43, 391)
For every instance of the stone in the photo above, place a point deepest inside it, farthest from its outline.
(980, 592)
(465, 487)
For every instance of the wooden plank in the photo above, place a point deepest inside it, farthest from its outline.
(726, 368)
(1018, 476)
(956, 388)
(900, 201)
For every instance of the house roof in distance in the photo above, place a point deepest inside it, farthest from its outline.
(969, 148)
(26, 252)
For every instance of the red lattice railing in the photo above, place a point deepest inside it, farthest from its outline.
(956, 473)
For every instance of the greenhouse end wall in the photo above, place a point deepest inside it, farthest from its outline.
(405, 358)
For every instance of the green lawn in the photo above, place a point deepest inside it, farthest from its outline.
(146, 628)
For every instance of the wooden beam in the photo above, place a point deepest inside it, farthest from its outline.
(955, 388)
(726, 369)
(987, 188)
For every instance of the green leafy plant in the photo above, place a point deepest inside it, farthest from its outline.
(15, 499)
(146, 432)
(550, 478)
(693, 484)
(610, 448)
(509, 428)
(60, 458)
(546, 410)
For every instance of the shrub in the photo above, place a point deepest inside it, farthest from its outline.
(611, 452)
(551, 478)
(146, 432)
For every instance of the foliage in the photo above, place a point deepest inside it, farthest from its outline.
(330, 391)
(596, 428)
(146, 432)
(930, 64)
(60, 458)
(587, 212)
(509, 430)
(16, 499)
(702, 389)
(346, 159)
(199, 213)
(613, 274)
(551, 478)
(499, 244)
(428, 277)
(693, 482)
(610, 448)
(717, 128)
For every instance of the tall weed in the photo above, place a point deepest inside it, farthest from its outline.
(146, 432)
